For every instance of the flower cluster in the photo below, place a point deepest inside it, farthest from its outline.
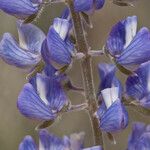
(51, 142)
(48, 57)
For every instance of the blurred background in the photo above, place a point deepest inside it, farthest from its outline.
(13, 126)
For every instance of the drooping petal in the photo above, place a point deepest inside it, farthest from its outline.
(138, 51)
(121, 35)
(51, 142)
(19, 8)
(32, 106)
(12, 54)
(140, 137)
(30, 37)
(115, 118)
(59, 50)
(27, 144)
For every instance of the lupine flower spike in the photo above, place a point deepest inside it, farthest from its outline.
(48, 58)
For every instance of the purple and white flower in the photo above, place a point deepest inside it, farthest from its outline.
(128, 47)
(112, 114)
(138, 85)
(51, 142)
(27, 52)
(88, 6)
(57, 48)
(42, 99)
(21, 9)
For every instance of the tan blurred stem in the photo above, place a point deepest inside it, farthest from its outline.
(82, 46)
(78, 107)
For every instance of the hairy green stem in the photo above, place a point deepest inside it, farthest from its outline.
(82, 46)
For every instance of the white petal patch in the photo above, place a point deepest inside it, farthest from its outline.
(61, 26)
(41, 147)
(57, 25)
(130, 29)
(93, 148)
(41, 89)
(22, 41)
(110, 95)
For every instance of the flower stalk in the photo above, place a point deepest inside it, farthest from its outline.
(82, 46)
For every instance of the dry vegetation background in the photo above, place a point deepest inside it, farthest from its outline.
(13, 126)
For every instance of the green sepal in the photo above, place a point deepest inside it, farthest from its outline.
(44, 124)
(122, 3)
(31, 18)
(123, 69)
(37, 69)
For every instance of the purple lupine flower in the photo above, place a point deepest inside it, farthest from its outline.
(138, 85)
(112, 113)
(110, 91)
(57, 48)
(42, 98)
(88, 6)
(51, 142)
(128, 48)
(108, 78)
(140, 137)
(26, 53)
(20, 8)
